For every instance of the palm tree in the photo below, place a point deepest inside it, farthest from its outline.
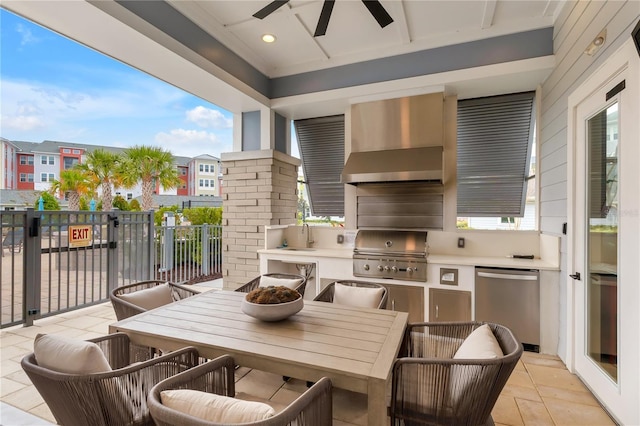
(102, 167)
(149, 165)
(75, 183)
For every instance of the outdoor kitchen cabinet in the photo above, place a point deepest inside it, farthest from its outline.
(449, 305)
(408, 299)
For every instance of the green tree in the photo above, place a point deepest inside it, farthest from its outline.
(75, 183)
(303, 206)
(120, 203)
(134, 205)
(102, 167)
(200, 215)
(150, 166)
(49, 202)
(158, 214)
(84, 203)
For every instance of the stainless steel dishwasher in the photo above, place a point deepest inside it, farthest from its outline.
(510, 297)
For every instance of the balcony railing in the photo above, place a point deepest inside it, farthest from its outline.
(44, 272)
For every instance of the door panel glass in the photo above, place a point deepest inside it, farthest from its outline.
(602, 240)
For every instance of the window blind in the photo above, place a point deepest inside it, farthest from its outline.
(495, 137)
(321, 143)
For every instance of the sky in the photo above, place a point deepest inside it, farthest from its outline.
(52, 88)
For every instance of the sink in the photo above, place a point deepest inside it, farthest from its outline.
(297, 249)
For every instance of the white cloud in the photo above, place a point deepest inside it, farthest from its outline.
(208, 118)
(125, 116)
(191, 143)
(27, 35)
(22, 122)
(54, 104)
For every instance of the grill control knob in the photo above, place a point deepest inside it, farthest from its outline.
(394, 269)
(366, 267)
(410, 270)
(386, 268)
(380, 268)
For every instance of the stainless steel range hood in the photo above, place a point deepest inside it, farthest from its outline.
(396, 140)
(393, 165)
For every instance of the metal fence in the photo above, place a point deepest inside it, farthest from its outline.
(46, 270)
(185, 253)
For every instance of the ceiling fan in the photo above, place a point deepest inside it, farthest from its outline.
(375, 8)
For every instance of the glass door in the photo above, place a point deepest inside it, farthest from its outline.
(601, 231)
(604, 235)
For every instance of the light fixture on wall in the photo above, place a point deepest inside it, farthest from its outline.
(597, 43)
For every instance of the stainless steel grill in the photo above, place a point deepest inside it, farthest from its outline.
(400, 255)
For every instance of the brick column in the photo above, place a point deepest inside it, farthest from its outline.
(260, 189)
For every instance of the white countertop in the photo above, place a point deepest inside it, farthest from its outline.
(347, 253)
(492, 261)
(311, 252)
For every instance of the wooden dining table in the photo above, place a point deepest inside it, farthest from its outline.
(354, 347)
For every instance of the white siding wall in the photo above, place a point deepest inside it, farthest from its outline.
(8, 158)
(528, 222)
(576, 27)
(136, 191)
(211, 176)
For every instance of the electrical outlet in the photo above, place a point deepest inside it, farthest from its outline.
(340, 239)
(461, 242)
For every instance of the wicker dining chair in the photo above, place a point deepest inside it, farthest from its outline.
(127, 308)
(430, 387)
(110, 398)
(255, 283)
(328, 293)
(312, 408)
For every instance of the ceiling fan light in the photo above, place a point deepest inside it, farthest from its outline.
(268, 38)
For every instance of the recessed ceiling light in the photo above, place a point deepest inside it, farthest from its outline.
(268, 38)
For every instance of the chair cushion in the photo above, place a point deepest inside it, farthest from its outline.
(266, 281)
(466, 381)
(362, 297)
(149, 298)
(215, 408)
(480, 344)
(67, 355)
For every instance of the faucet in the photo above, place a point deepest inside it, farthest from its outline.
(309, 241)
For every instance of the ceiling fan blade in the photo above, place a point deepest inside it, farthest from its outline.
(270, 8)
(323, 21)
(378, 11)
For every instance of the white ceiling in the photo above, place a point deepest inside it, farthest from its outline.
(353, 35)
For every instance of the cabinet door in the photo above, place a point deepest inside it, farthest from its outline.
(449, 305)
(408, 299)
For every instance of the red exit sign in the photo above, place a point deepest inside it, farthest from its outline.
(79, 235)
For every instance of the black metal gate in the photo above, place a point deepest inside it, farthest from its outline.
(54, 262)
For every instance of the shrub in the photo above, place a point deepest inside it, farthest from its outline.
(49, 202)
(158, 214)
(201, 215)
(120, 203)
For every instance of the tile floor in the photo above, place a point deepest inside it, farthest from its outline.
(540, 391)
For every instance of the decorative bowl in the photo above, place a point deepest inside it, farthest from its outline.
(272, 311)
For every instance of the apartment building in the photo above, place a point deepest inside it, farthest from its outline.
(8, 161)
(205, 176)
(35, 165)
